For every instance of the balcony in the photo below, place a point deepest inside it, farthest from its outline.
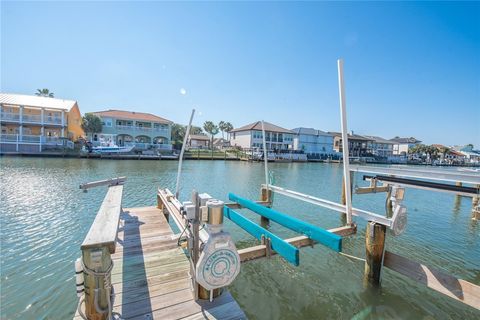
(53, 120)
(10, 116)
(35, 139)
(32, 118)
(134, 130)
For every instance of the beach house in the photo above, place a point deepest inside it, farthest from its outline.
(357, 144)
(31, 124)
(313, 142)
(402, 145)
(125, 128)
(379, 146)
(250, 137)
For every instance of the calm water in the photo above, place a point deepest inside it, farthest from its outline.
(44, 218)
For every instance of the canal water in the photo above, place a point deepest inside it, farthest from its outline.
(44, 218)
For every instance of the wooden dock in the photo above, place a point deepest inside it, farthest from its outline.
(150, 275)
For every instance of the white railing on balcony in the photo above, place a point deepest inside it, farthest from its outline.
(143, 129)
(10, 116)
(53, 120)
(30, 118)
(35, 139)
(33, 118)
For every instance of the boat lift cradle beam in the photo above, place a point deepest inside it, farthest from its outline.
(320, 235)
(425, 185)
(285, 249)
(419, 174)
(369, 216)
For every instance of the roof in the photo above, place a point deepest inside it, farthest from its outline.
(405, 140)
(258, 126)
(380, 140)
(351, 136)
(310, 131)
(131, 115)
(198, 137)
(36, 101)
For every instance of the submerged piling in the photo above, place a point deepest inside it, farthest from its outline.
(265, 195)
(375, 247)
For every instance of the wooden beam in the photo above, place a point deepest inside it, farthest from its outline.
(365, 190)
(260, 251)
(455, 288)
(374, 248)
(107, 182)
(103, 231)
(234, 205)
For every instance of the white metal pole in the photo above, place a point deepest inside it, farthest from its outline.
(265, 154)
(185, 138)
(346, 160)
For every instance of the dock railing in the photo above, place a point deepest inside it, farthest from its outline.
(97, 248)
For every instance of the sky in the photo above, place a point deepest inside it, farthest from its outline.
(411, 69)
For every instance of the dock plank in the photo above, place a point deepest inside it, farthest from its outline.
(151, 277)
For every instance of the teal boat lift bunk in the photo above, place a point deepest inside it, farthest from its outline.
(282, 247)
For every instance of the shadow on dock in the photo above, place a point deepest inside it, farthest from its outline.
(135, 294)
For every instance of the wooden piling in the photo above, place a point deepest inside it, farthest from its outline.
(265, 195)
(374, 245)
(96, 249)
(97, 259)
(161, 206)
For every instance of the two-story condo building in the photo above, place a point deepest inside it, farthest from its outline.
(33, 124)
(380, 147)
(250, 137)
(357, 144)
(312, 141)
(124, 128)
(402, 145)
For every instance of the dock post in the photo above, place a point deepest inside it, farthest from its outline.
(375, 247)
(99, 260)
(161, 206)
(265, 195)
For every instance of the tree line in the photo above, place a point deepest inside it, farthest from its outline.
(209, 127)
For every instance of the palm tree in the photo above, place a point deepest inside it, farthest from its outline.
(228, 127)
(211, 128)
(221, 126)
(44, 93)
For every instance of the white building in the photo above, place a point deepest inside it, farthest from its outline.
(250, 137)
(380, 147)
(311, 141)
(402, 145)
(31, 124)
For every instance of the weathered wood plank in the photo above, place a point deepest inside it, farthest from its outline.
(103, 231)
(109, 182)
(455, 288)
(151, 273)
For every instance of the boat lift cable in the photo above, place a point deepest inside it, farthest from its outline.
(180, 160)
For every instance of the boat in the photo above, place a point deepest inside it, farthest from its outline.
(112, 149)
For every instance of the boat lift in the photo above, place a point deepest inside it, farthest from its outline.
(189, 216)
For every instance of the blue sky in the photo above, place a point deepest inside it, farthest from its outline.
(411, 69)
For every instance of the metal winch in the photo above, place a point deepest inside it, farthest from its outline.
(219, 262)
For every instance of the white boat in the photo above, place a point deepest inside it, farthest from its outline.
(112, 149)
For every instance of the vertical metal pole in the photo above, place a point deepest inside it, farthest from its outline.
(187, 133)
(196, 242)
(346, 160)
(265, 155)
